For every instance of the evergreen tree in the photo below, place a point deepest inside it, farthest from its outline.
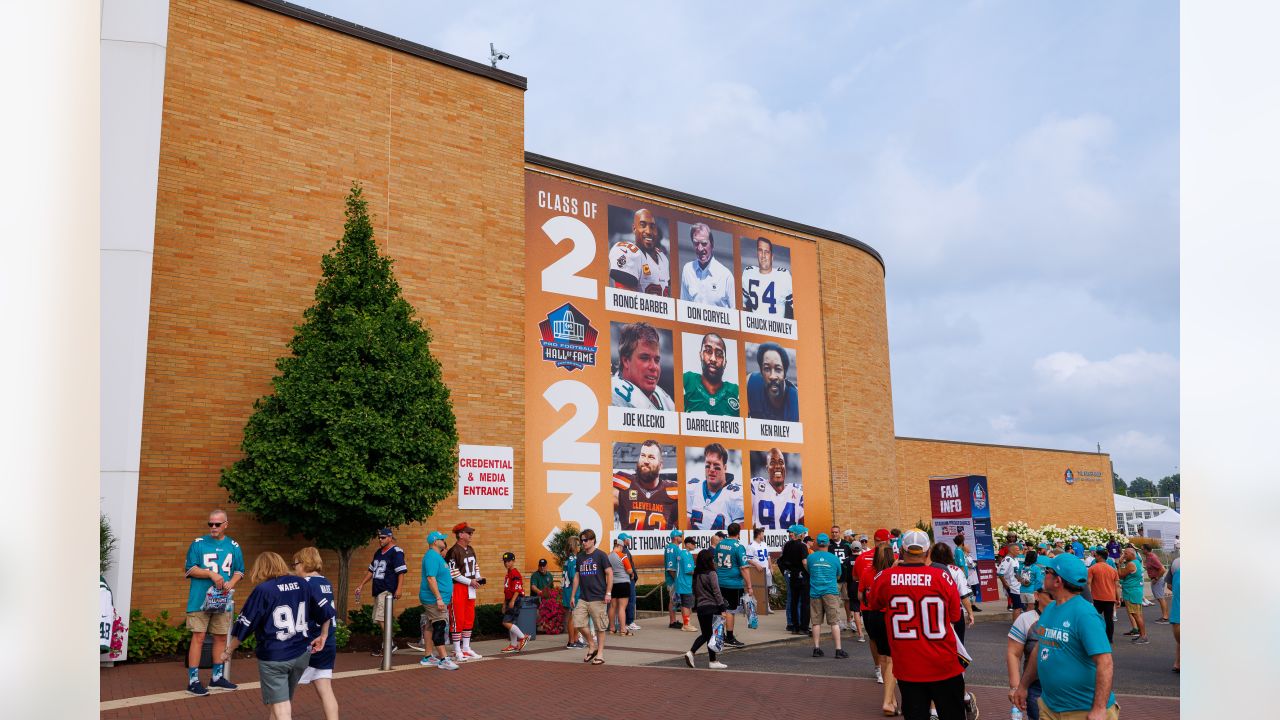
(359, 430)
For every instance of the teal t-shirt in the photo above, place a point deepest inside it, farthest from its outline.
(570, 569)
(433, 565)
(697, 399)
(209, 554)
(824, 573)
(731, 557)
(1036, 572)
(1131, 585)
(671, 562)
(1070, 634)
(684, 576)
(1175, 604)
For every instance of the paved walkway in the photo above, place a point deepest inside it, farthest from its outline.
(548, 681)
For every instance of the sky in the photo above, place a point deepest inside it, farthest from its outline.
(1015, 164)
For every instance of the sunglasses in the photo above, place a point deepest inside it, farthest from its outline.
(217, 524)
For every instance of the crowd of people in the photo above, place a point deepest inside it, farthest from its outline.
(906, 597)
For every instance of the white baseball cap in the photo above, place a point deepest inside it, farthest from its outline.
(916, 540)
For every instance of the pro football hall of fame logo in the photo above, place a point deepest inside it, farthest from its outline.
(568, 340)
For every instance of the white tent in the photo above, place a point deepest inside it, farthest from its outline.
(1164, 527)
(1130, 512)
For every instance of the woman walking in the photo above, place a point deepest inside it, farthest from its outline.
(283, 640)
(319, 672)
(621, 564)
(940, 554)
(873, 619)
(707, 603)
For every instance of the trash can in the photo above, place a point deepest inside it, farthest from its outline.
(527, 620)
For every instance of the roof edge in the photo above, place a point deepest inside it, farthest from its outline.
(638, 185)
(1011, 447)
(380, 38)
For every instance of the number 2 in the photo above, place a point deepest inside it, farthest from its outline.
(562, 275)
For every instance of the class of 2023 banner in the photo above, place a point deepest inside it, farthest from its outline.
(674, 371)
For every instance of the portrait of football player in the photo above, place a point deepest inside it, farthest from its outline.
(707, 256)
(771, 389)
(713, 491)
(645, 496)
(777, 498)
(643, 369)
(639, 254)
(766, 286)
(710, 364)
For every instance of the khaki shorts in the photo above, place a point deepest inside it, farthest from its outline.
(844, 592)
(825, 610)
(379, 605)
(1133, 607)
(1113, 713)
(216, 623)
(595, 609)
(432, 614)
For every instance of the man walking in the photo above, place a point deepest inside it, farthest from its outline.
(1009, 577)
(671, 568)
(791, 563)
(734, 578)
(1104, 585)
(824, 570)
(385, 569)
(1155, 574)
(592, 585)
(214, 567)
(1073, 663)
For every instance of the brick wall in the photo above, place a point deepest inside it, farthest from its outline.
(267, 120)
(1025, 483)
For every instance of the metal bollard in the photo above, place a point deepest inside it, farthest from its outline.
(387, 624)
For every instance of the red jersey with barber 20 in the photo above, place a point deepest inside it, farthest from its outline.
(920, 602)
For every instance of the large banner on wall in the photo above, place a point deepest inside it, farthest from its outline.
(674, 371)
(960, 504)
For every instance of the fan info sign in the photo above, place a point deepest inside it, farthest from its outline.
(674, 370)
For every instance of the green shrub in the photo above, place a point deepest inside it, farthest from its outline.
(409, 622)
(778, 601)
(489, 620)
(362, 621)
(250, 642)
(654, 601)
(342, 634)
(156, 637)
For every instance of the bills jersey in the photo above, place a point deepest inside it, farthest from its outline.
(920, 603)
(626, 394)
(640, 509)
(281, 613)
(774, 509)
(767, 293)
(652, 274)
(713, 511)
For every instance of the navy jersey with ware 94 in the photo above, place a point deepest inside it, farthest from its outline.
(326, 592)
(279, 613)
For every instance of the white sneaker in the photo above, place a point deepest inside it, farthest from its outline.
(879, 675)
(472, 655)
(717, 665)
(447, 664)
(688, 659)
(459, 659)
(416, 647)
(633, 627)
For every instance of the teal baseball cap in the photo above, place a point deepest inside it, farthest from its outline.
(801, 530)
(1070, 568)
(677, 533)
(824, 539)
(434, 536)
(623, 536)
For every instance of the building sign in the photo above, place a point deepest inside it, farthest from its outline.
(486, 477)
(961, 504)
(674, 371)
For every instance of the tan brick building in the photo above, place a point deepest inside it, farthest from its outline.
(266, 114)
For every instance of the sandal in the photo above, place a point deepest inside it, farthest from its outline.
(591, 656)
(597, 661)
(890, 713)
(627, 634)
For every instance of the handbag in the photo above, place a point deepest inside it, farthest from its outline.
(217, 601)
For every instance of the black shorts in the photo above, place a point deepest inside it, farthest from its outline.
(854, 604)
(621, 591)
(1015, 599)
(874, 622)
(947, 696)
(732, 597)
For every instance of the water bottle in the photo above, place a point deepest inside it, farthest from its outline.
(1015, 713)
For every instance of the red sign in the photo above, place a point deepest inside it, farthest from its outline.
(950, 498)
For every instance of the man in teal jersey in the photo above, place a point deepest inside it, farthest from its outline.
(436, 592)
(1131, 592)
(709, 392)
(731, 571)
(214, 566)
(825, 570)
(671, 567)
(685, 564)
(1073, 662)
(568, 597)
